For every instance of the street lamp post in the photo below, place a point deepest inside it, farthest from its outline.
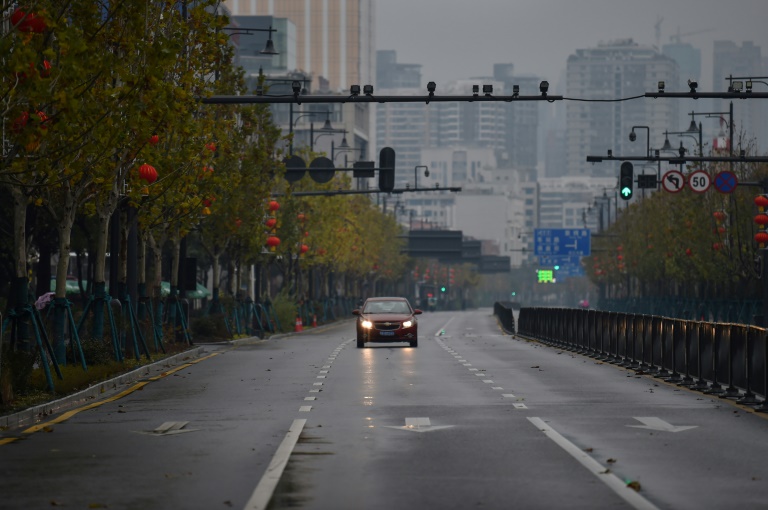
(633, 137)
(416, 174)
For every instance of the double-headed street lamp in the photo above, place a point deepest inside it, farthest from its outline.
(269, 49)
(327, 127)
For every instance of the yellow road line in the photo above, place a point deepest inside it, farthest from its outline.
(69, 414)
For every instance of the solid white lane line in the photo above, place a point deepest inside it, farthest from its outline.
(603, 474)
(266, 486)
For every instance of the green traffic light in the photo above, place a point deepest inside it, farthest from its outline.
(626, 192)
(442, 289)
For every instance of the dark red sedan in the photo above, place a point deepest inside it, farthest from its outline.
(387, 319)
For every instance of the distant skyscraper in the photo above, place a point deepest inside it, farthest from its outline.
(731, 59)
(688, 61)
(613, 70)
(402, 126)
(391, 74)
(521, 120)
(467, 124)
(335, 39)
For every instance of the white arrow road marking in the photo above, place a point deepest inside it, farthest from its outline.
(634, 499)
(168, 428)
(420, 425)
(653, 423)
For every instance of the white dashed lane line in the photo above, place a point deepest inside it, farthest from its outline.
(479, 372)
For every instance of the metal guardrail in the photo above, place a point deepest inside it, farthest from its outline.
(720, 359)
(504, 311)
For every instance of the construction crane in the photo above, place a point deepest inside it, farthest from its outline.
(675, 38)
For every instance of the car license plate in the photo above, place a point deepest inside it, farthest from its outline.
(387, 333)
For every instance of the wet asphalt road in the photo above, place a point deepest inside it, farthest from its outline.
(472, 418)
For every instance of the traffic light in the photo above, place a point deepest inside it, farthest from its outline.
(626, 180)
(442, 289)
(387, 169)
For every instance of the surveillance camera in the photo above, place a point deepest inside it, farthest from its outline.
(431, 86)
(296, 87)
(544, 87)
(368, 90)
(632, 136)
(354, 90)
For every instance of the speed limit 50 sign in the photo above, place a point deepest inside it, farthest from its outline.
(699, 181)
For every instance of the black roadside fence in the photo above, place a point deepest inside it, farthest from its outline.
(720, 359)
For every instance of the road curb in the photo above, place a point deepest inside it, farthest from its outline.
(38, 413)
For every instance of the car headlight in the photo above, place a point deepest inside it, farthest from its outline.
(407, 324)
(366, 324)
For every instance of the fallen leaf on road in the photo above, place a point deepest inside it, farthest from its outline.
(634, 486)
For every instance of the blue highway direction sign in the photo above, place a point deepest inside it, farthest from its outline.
(562, 242)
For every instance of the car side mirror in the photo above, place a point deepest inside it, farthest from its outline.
(355, 312)
(417, 312)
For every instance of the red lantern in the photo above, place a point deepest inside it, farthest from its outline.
(688, 252)
(716, 246)
(27, 22)
(273, 206)
(761, 237)
(301, 217)
(210, 146)
(719, 215)
(306, 234)
(273, 241)
(46, 71)
(761, 219)
(153, 140)
(304, 248)
(761, 201)
(147, 173)
(207, 202)
(271, 222)
(20, 122)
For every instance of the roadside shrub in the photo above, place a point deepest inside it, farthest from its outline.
(286, 310)
(209, 327)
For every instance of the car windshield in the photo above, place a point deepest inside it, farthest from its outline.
(386, 307)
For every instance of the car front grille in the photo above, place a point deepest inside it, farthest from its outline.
(386, 326)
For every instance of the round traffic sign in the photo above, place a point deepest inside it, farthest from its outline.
(673, 181)
(699, 181)
(726, 182)
(321, 170)
(295, 168)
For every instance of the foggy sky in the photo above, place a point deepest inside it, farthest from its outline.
(458, 39)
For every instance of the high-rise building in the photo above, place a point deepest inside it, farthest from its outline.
(521, 120)
(688, 61)
(391, 74)
(402, 126)
(730, 59)
(613, 70)
(335, 39)
(481, 124)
